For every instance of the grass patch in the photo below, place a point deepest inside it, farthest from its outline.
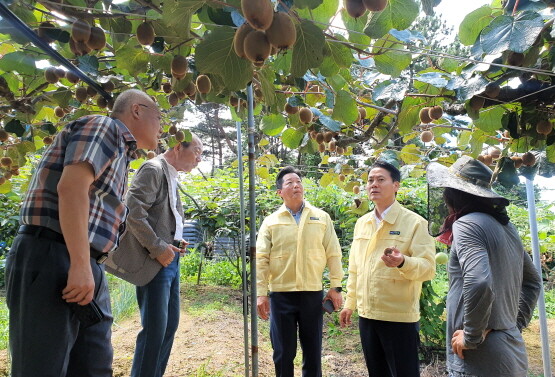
(122, 297)
(3, 324)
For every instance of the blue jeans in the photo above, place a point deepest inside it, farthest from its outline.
(159, 306)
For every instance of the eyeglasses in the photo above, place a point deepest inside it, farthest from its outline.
(149, 107)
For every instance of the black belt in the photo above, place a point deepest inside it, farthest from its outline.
(49, 234)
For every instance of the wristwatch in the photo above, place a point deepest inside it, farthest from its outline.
(338, 289)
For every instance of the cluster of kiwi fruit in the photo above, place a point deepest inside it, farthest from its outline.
(86, 37)
(202, 85)
(7, 169)
(177, 133)
(265, 32)
(492, 90)
(491, 155)
(357, 8)
(326, 141)
(145, 34)
(428, 115)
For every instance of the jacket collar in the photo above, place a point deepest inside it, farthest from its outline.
(391, 215)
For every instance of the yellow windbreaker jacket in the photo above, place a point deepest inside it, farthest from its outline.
(291, 257)
(381, 292)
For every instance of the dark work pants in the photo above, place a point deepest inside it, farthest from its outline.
(46, 339)
(390, 348)
(290, 311)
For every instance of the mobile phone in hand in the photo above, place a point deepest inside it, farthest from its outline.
(327, 306)
(89, 314)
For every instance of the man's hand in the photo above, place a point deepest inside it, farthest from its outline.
(80, 283)
(457, 342)
(345, 317)
(167, 256)
(183, 248)
(263, 307)
(392, 257)
(335, 297)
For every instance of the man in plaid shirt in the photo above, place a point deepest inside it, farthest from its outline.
(72, 215)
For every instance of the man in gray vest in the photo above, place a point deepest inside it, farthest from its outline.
(148, 255)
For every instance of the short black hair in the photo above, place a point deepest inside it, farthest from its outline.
(393, 171)
(283, 172)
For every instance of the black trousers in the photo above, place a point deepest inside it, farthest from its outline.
(290, 311)
(390, 348)
(46, 338)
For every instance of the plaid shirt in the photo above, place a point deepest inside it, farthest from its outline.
(107, 145)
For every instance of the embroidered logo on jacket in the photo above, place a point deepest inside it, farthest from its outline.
(394, 232)
(314, 218)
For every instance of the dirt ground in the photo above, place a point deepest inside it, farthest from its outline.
(209, 342)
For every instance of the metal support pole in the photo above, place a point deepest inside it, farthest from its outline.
(6, 13)
(243, 250)
(252, 240)
(532, 218)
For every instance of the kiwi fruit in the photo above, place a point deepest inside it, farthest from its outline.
(179, 65)
(101, 102)
(256, 46)
(190, 89)
(291, 109)
(8, 175)
(328, 135)
(180, 94)
(258, 13)
(282, 34)
(73, 47)
(179, 136)
(375, 5)
(362, 112)
(60, 73)
(2, 180)
(234, 101)
(488, 159)
(239, 39)
(321, 148)
(203, 84)
(72, 77)
(425, 115)
(91, 92)
(82, 48)
(178, 76)
(172, 130)
(3, 135)
(332, 146)
(319, 138)
(515, 58)
(173, 100)
(47, 140)
(108, 86)
(427, 136)
(355, 8)
(342, 177)
(340, 150)
(145, 34)
(435, 112)
(81, 94)
(97, 39)
(358, 117)
(150, 155)
(80, 31)
(517, 160)
(476, 103)
(305, 114)
(6, 161)
(59, 112)
(480, 158)
(544, 127)
(356, 190)
(528, 159)
(50, 75)
(492, 90)
(42, 31)
(167, 87)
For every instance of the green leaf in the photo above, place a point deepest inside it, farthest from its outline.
(308, 49)
(291, 138)
(550, 153)
(473, 23)
(6, 187)
(408, 117)
(266, 76)
(88, 64)
(340, 53)
(410, 154)
(337, 82)
(398, 14)
(326, 179)
(322, 13)
(310, 4)
(19, 62)
(490, 119)
(272, 124)
(177, 14)
(355, 29)
(329, 67)
(14, 126)
(62, 97)
(215, 54)
(391, 62)
(511, 33)
(132, 58)
(345, 108)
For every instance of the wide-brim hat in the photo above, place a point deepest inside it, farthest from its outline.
(466, 174)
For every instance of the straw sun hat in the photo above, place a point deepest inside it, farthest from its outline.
(466, 174)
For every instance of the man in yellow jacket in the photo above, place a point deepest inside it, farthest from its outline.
(391, 255)
(293, 247)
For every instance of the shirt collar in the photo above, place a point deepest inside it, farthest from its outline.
(173, 171)
(390, 213)
(128, 137)
(295, 213)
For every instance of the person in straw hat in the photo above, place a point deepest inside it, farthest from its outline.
(493, 285)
